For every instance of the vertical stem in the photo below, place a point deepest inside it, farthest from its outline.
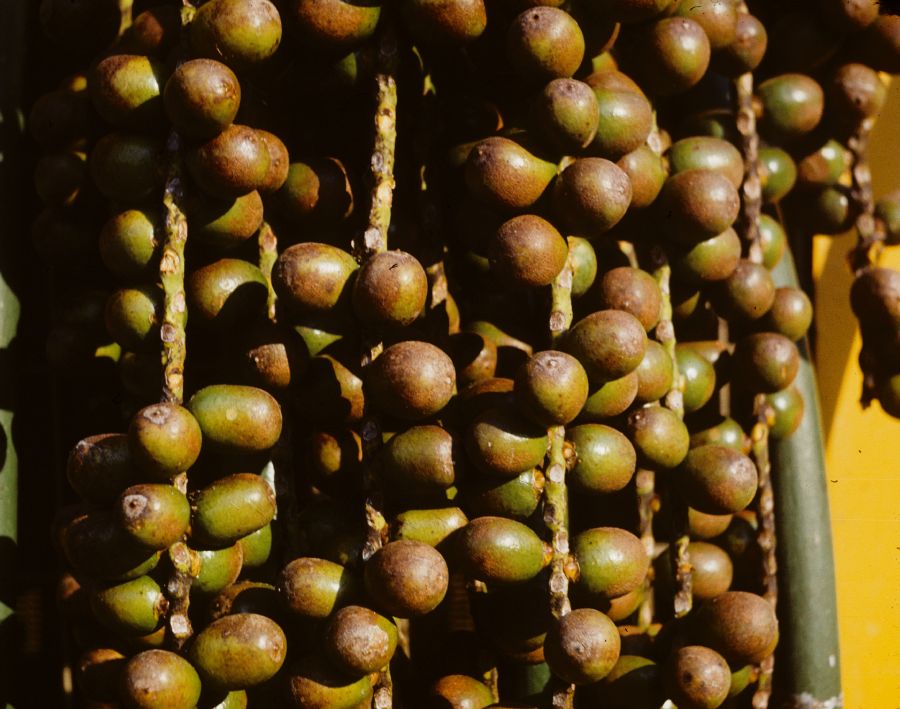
(375, 240)
(751, 190)
(375, 237)
(645, 488)
(185, 562)
(765, 536)
(556, 496)
(665, 334)
(268, 254)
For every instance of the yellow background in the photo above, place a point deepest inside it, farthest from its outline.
(863, 463)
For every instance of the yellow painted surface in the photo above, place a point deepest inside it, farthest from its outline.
(863, 463)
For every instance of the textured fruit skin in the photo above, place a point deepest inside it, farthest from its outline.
(431, 526)
(738, 625)
(202, 98)
(713, 570)
(360, 641)
(528, 251)
(335, 24)
(659, 437)
(439, 22)
(544, 43)
(717, 479)
(501, 550)
(129, 244)
(502, 173)
(407, 578)
(125, 90)
(411, 380)
(126, 166)
(233, 163)
(239, 650)
(609, 344)
(583, 646)
(99, 467)
(551, 387)
(517, 498)
(697, 677)
(422, 457)
(314, 683)
(567, 114)
(133, 608)
(156, 679)
(237, 32)
(390, 289)
(612, 561)
(792, 105)
(461, 691)
(236, 418)
(605, 460)
(219, 568)
(591, 196)
(230, 508)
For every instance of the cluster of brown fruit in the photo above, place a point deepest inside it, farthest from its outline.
(461, 332)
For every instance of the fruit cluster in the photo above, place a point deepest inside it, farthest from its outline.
(473, 306)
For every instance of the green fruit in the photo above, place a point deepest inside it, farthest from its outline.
(718, 18)
(129, 244)
(566, 114)
(502, 442)
(224, 224)
(335, 24)
(713, 259)
(498, 550)
(219, 568)
(747, 294)
(98, 673)
(314, 588)
(591, 196)
(420, 458)
(98, 547)
(159, 679)
(712, 570)
(154, 515)
(777, 173)
(317, 193)
(528, 251)
(126, 90)
(330, 393)
(633, 291)
(746, 52)
(788, 407)
(605, 460)
(612, 398)
(230, 508)
(727, 433)
(583, 646)
(438, 22)
(133, 317)
(792, 105)
(407, 578)
(697, 677)
(233, 163)
(659, 437)
(313, 278)
(460, 691)
(611, 562)
(503, 174)
(740, 626)
(608, 343)
(237, 419)
(517, 498)
(768, 361)
(632, 683)
(256, 547)
(238, 32)
(544, 43)
(699, 377)
(359, 641)
(314, 683)
(136, 607)
(551, 388)
(390, 290)
(165, 440)
(791, 313)
(707, 153)
(239, 651)
(411, 380)
(654, 373)
(202, 98)
(698, 204)
(473, 355)
(647, 174)
(227, 293)
(717, 479)
(670, 56)
(431, 527)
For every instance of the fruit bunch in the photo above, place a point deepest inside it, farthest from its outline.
(447, 344)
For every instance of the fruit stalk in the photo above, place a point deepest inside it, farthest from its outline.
(375, 237)
(665, 334)
(751, 189)
(645, 488)
(556, 496)
(268, 254)
(765, 536)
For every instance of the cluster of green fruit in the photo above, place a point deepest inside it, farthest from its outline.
(394, 462)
